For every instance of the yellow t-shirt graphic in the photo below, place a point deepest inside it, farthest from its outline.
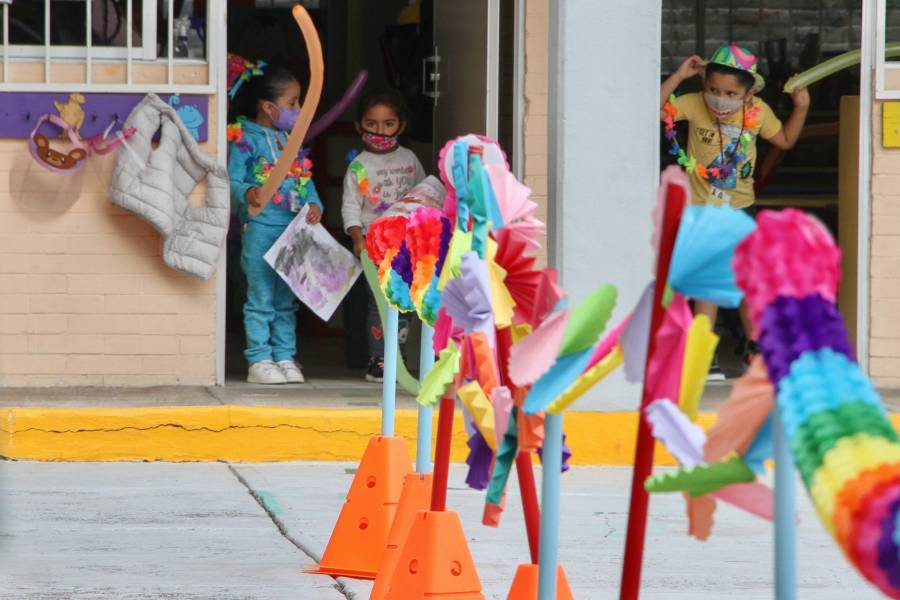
(705, 145)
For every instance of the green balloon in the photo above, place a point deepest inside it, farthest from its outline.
(406, 381)
(832, 66)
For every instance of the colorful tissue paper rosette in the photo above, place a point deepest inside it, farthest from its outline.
(844, 447)
(409, 253)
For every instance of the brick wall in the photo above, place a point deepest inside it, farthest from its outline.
(85, 298)
(884, 321)
(749, 23)
(537, 17)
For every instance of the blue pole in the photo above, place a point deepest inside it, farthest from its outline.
(785, 523)
(389, 388)
(423, 430)
(550, 493)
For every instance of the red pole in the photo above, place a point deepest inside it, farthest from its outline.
(442, 451)
(530, 506)
(643, 455)
(524, 467)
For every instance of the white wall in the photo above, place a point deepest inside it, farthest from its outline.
(604, 155)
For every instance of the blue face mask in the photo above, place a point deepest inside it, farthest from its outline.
(286, 118)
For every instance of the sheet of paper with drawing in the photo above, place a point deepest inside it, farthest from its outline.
(316, 267)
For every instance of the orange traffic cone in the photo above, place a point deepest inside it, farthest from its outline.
(525, 584)
(359, 538)
(435, 561)
(416, 497)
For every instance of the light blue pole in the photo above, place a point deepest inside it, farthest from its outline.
(550, 493)
(389, 389)
(423, 430)
(785, 521)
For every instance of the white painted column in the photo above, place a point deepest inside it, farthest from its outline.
(603, 148)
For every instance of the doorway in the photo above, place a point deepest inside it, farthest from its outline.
(397, 42)
(819, 174)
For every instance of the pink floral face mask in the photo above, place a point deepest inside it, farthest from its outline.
(379, 143)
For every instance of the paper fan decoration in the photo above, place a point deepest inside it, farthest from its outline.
(588, 320)
(547, 298)
(635, 337)
(590, 377)
(703, 478)
(518, 210)
(530, 358)
(453, 169)
(467, 298)
(742, 414)
(698, 355)
(460, 244)
(501, 299)
(481, 410)
(671, 176)
(701, 260)
(522, 279)
(664, 368)
(583, 328)
(440, 377)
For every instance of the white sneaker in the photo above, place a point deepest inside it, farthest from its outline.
(291, 371)
(266, 372)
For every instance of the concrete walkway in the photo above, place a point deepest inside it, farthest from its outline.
(219, 531)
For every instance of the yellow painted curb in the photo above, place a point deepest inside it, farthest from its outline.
(266, 433)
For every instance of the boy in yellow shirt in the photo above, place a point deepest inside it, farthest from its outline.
(724, 122)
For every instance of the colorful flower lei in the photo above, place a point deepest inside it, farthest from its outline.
(690, 163)
(300, 171)
(234, 132)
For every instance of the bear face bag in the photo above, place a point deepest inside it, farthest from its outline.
(55, 160)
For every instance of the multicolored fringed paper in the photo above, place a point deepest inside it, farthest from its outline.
(410, 253)
(844, 446)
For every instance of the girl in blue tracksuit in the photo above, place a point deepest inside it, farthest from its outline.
(266, 102)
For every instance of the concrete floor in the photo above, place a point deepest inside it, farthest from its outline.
(157, 530)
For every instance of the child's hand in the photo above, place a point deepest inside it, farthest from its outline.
(253, 197)
(693, 65)
(800, 98)
(359, 244)
(314, 215)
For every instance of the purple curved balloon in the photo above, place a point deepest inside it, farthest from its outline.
(323, 122)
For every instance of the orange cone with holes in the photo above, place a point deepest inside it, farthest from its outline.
(435, 561)
(416, 497)
(360, 536)
(525, 584)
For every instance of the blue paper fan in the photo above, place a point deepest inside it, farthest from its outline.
(557, 380)
(701, 261)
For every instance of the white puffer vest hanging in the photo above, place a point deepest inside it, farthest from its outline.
(155, 184)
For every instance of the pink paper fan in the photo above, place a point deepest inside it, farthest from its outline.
(546, 298)
(664, 368)
(517, 209)
(534, 355)
(672, 175)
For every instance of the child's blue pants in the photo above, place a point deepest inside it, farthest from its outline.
(270, 319)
